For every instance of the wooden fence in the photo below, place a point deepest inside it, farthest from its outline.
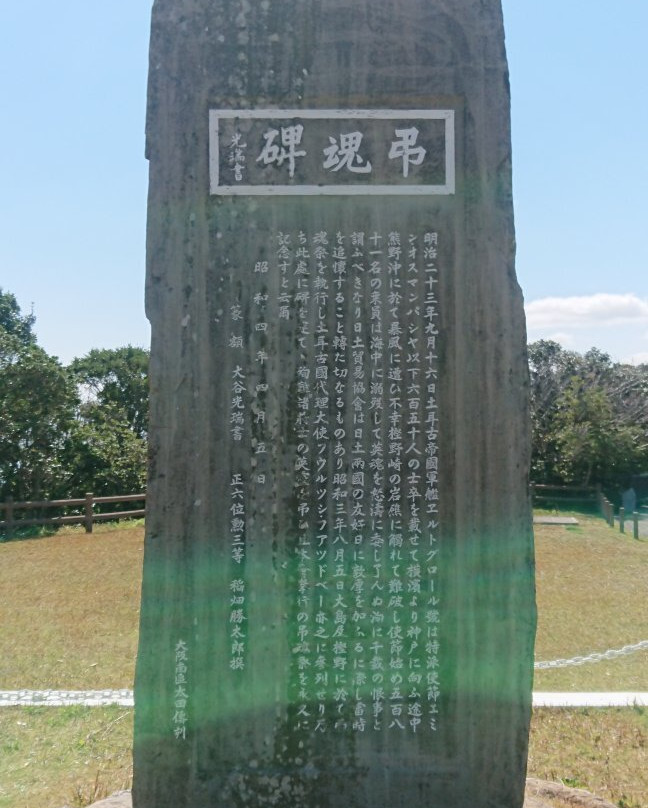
(17, 515)
(583, 495)
(564, 494)
(607, 512)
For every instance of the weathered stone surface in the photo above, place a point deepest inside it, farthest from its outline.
(338, 584)
(542, 790)
(536, 795)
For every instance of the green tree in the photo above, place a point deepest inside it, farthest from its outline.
(104, 455)
(594, 443)
(108, 447)
(589, 416)
(14, 322)
(550, 369)
(64, 431)
(37, 403)
(116, 378)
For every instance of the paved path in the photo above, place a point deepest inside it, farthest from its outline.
(590, 699)
(124, 698)
(66, 698)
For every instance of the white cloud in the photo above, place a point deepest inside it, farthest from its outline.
(587, 312)
(636, 359)
(561, 337)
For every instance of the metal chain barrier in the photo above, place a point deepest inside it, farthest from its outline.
(595, 657)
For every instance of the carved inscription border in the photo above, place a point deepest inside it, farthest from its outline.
(332, 152)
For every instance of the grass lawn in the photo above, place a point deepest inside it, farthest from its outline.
(69, 609)
(69, 612)
(603, 751)
(56, 756)
(592, 592)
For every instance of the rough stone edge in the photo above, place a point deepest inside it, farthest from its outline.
(577, 797)
(121, 799)
(536, 793)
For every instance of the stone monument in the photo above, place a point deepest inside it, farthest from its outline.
(338, 600)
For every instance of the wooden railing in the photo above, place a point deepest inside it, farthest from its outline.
(565, 494)
(15, 515)
(584, 495)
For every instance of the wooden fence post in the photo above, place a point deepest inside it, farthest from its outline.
(610, 513)
(622, 520)
(635, 524)
(9, 514)
(600, 498)
(89, 505)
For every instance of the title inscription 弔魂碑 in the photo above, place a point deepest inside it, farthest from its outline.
(405, 152)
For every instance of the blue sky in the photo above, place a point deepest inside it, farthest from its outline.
(73, 201)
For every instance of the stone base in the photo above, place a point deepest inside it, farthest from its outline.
(122, 799)
(554, 520)
(537, 794)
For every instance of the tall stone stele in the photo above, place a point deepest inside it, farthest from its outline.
(338, 600)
